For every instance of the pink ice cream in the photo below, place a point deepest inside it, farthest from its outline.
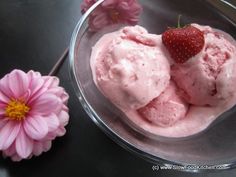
(166, 109)
(208, 78)
(129, 67)
(132, 69)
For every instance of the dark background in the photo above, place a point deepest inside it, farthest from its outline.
(33, 34)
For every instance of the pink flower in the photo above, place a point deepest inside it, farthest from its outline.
(33, 112)
(111, 12)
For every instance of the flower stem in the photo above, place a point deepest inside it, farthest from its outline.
(59, 63)
(179, 17)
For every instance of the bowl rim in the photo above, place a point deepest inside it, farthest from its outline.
(108, 131)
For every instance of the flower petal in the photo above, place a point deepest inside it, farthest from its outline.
(64, 97)
(8, 134)
(2, 112)
(51, 81)
(4, 86)
(3, 98)
(9, 151)
(63, 117)
(26, 96)
(46, 104)
(24, 145)
(38, 148)
(61, 131)
(52, 122)
(47, 145)
(36, 127)
(16, 158)
(51, 136)
(3, 122)
(59, 92)
(36, 85)
(19, 83)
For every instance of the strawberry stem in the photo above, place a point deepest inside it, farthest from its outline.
(179, 26)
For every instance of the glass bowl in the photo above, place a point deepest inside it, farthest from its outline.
(213, 148)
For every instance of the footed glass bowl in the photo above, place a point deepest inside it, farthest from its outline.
(214, 148)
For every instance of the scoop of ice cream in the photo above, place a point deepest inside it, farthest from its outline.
(130, 67)
(166, 109)
(209, 77)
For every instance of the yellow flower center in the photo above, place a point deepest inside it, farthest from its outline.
(114, 15)
(16, 110)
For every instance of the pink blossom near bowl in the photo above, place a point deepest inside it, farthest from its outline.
(112, 12)
(33, 112)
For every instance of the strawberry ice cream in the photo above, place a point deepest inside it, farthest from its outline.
(135, 71)
(166, 109)
(209, 77)
(129, 67)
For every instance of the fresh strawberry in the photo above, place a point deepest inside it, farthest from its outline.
(183, 43)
